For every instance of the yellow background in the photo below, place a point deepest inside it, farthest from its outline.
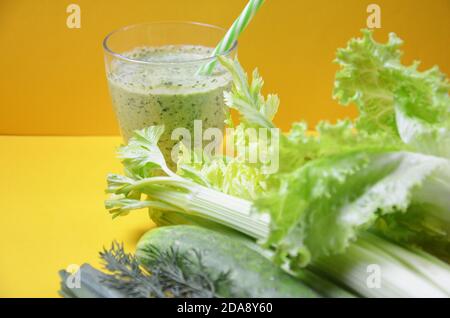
(52, 83)
(52, 78)
(51, 210)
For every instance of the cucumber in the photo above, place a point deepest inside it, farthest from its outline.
(251, 274)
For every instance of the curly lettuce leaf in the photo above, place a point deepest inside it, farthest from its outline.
(411, 105)
(430, 132)
(301, 145)
(367, 80)
(427, 221)
(229, 175)
(320, 208)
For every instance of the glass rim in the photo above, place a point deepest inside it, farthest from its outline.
(132, 26)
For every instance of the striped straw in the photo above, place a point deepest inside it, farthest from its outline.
(232, 34)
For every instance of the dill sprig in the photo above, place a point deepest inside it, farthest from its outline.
(167, 273)
(127, 275)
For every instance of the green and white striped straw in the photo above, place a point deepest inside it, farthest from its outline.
(232, 34)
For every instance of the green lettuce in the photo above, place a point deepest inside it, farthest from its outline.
(320, 208)
(411, 105)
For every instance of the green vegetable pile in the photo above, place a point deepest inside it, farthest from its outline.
(370, 192)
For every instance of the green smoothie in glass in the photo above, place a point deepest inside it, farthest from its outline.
(171, 95)
(159, 85)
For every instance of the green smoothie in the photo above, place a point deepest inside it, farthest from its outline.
(164, 89)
